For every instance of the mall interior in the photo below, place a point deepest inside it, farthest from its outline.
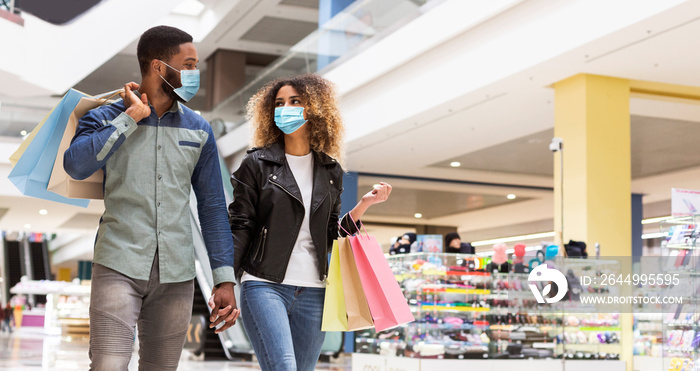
(531, 123)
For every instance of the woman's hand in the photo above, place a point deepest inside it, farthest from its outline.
(380, 193)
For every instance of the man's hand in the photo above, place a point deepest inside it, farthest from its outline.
(137, 108)
(223, 307)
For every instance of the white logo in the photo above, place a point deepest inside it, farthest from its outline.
(541, 273)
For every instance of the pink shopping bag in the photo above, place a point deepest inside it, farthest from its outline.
(387, 303)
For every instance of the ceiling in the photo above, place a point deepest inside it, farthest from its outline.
(657, 148)
(498, 131)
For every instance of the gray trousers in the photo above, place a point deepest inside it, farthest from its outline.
(118, 303)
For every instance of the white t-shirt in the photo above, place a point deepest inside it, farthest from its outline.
(303, 265)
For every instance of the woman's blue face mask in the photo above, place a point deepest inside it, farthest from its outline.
(289, 119)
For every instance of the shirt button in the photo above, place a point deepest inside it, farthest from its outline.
(159, 233)
(160, 177)
(159, 147)
(274, 177)
(159, 204)
(331, 181)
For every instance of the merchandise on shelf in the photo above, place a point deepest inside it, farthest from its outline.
(464, 312)
(680, 329)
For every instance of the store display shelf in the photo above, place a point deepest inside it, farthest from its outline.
(683, 325)
(593, 328)
(506, 276)
(606, 348)
(450, 290)
(448, 326)
(682, 246)
(677, 350)
(442, 274)
(441, 308)
(690, 271)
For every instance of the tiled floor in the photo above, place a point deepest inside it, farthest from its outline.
(31, 349)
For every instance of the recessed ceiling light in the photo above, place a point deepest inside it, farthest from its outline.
(23, 133)
(418, 215)
(511, 196)
(189, 7)
(43, 211)
(27, 226)
(455, 164)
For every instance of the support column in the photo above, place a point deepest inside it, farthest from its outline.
(637, 215)
(348, 200)
(592, 117)
(225, 75)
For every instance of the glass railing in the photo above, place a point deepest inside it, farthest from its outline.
(7, 5)
(360, 24)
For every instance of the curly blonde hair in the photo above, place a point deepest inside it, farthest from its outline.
(325, 125)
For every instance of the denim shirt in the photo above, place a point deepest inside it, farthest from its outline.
(149, 169)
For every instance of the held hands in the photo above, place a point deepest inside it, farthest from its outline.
(380, 193)
(137, 108)
(223, 307)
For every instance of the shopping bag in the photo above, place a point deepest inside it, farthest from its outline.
(33, 169)
(356, 307)
(28, 139)
(334, 316)
(60, 182)
(387, 303)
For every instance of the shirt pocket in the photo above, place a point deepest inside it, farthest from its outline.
(188, 143)
(188, 147)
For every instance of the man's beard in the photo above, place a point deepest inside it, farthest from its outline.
(172, 78)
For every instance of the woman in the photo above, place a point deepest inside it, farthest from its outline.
(285, 216)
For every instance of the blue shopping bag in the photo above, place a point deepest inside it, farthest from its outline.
(32, 172)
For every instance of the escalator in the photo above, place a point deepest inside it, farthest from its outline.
(14, 269)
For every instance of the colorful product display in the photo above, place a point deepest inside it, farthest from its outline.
(463, 311)
(681, 320)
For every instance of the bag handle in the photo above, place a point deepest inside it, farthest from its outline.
(108, 95)
(341, 227)
(362, 226)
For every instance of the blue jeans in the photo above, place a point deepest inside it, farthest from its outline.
(284, 324)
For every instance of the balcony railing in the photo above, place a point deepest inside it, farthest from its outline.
(348, 33)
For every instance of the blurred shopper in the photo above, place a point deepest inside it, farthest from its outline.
(406, 244)
(284, 218)
(454, 244)
(398, 247)
(7, 317)
(153, 150)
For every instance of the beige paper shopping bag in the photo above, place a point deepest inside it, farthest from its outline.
(356, 307)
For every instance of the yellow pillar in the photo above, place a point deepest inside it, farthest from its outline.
(592, 117)
(64, 274)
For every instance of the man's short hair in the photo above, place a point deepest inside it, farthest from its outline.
(160, 42)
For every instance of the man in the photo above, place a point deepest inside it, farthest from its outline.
(153, 150)
(454, 244)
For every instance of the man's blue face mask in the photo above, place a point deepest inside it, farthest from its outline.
(289, 119)
(190, 83)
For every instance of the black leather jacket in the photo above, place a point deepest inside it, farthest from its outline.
(267, 212)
